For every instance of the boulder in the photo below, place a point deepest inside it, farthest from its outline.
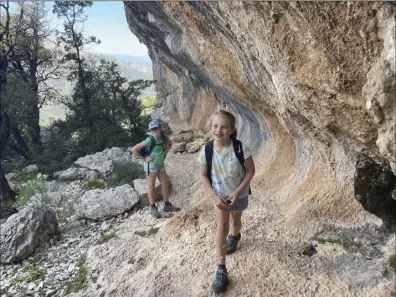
(193, 147)
(140, 186)
(101, 204)
(73, 173)
(179, 147)
(183, 136)
(103, 162)
(30, 169)
(67, 175)
(24, 231)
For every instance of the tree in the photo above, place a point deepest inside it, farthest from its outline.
(120, 97)
(33, 63)
(7, 195)
(73, 40)
(117, 111)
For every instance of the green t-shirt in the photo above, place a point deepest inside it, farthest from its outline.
(158, 152)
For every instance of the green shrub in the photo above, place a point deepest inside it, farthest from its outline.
(148, 101)
(125, 173)
(106, 237)
(95, 184)
(34, 273)
(64, 210)
(346, 243)
(28, 190)
(392, 262)
(80, 281)
(147, 233)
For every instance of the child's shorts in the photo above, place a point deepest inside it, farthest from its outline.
(241, 204)
(150, 167)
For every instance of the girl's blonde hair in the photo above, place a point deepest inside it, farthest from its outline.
(231, 119)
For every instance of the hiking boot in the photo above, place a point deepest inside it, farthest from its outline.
(232, 243)
(154, 211)
(220, 281)
(170, 207)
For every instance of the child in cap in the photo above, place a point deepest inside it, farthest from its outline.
(154, 166)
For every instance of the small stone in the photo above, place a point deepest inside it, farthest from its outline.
(309, 250)
(50, 293)
(159, 225)
(104, 227)
(32, 286)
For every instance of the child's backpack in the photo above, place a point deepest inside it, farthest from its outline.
(146, 151)
(238, 149)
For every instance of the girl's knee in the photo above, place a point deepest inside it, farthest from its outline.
(223, 227)
(150, 182)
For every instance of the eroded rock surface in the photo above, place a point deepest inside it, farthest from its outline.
(312, 84)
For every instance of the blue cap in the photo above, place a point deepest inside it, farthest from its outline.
(154, 124)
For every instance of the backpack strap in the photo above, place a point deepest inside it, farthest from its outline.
(209, 156)
(152, 146)
(238, 149)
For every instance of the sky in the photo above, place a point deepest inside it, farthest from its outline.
(107, 21)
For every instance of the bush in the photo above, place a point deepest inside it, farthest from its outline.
(125, 173)
(106, 237)
(27, 190)
(34, 273)
(37, 188)
(148, 101)
(392, 262)
(80, 281)
(148, 233)
(95, 184)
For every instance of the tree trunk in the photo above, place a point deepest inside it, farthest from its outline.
(34, 115)
(34, 128)
(86, 101)
(7, 195)
(21, 142)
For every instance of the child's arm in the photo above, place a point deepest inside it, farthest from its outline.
(218, 200)
(250, 171)
(135, 151)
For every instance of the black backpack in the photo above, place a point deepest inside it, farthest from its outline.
(146, 151)
(238, 149)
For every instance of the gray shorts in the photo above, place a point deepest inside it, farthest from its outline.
(150, 167)
(240, 205)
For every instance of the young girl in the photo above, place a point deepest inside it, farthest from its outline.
(154, 167)
(230, 190)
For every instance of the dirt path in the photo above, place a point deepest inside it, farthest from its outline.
(179, 259)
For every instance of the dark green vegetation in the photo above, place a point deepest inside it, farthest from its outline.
(103, 108)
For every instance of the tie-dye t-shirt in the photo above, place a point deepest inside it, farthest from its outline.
(227, 171)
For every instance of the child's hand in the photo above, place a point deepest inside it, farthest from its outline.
(148, 159)
(220, 202)
(234, 198)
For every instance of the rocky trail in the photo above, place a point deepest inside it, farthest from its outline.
(178, 260)
(136, 255)
(312, 86)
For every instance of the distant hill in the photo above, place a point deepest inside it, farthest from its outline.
(142, 60)
(132, 70)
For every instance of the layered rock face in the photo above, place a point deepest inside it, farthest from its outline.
(312, 84)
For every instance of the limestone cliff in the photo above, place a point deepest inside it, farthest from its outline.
(313, 85)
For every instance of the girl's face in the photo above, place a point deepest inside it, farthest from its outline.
(221, 128)
(157, 131)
